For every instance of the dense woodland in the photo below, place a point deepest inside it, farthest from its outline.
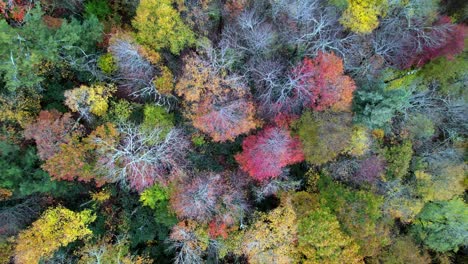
(233, 131)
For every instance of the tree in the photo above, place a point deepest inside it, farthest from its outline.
(359, 214)
(140, 157)
(442, 225)
(218, 104)
(209, 197)
(360, 141)
(139, 70)
(15, 10)
(445, 39)
(271, 237)
(324, 135)
(23, 70)
(405, 251)
(156, 116)
(189, 242)
(370, 170)
(160, 26)
(15, 218)
(20, 171)
(104, 251)
(50, 130)
(321, 83)
(320, 240)
(398, 159)
(361, 16)
(89, 100)
(265, 154)
(57, 227)
(78, 158)
(375, 105)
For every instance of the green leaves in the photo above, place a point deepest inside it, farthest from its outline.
(443, 225)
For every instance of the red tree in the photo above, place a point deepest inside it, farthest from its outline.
(50, 130)
(445, 39)
(265, 154)
(321, 83)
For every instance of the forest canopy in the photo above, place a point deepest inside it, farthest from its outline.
(233, 131)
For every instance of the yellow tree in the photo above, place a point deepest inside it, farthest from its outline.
(89, 100)
(160, 26)
(57, 227)
(271, 238)
(321, 240)
(362, 16)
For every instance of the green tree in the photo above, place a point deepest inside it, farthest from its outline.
(375, 105)
(324, 135)
(359, 212)
(20, 171)
(443, 225)
(405, 251)
(160, 26)
(398, 159)
(24, 50)
(320, 240)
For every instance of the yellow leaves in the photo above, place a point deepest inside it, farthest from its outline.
(360, 141)
(57, 227)
(101, 196)
(361, 16)
(271, 239)
(89, 99)
(5, 194)
(159, 26)
(21, 110)
(165, 83)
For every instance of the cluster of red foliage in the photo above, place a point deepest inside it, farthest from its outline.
(50, 130)
(15, 9)
(216, 229)
(323, 82)
(265, 154)
(450, 42)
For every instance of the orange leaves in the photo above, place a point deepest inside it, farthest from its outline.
(218, 105)
(323, 79)
(49, 131)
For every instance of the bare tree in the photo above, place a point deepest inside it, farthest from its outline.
(143, 157)
(135, 74)
(185, 242)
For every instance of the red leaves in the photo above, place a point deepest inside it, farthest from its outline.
(49, 131)
(323, 82)
(15, 10)
(446, 39)
(265, 154)
(216, 229)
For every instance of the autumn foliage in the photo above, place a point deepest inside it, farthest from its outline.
(57, 227)
(323, 83)
(50, 130)
(265, 155)
(220, 106)
(446, 40)
(15, 9)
